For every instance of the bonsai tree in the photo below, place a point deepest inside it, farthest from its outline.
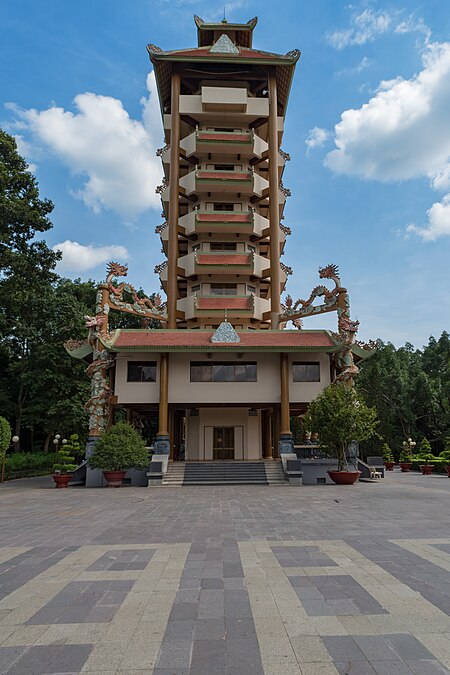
(119, 449)
(388, 455)
(425, 450)
(405, 454)
(73, 446)
(340, 416)
(65, 464)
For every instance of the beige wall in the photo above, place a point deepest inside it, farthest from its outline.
(247, 433)
(181, 390)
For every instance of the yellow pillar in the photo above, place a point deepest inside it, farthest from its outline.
(274, 207)
(174, 178)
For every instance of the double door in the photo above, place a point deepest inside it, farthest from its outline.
(223, 443)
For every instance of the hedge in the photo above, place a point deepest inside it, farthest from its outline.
(27, 464)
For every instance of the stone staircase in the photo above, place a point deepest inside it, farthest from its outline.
(224, 473)
(275, 474)
(174, 475)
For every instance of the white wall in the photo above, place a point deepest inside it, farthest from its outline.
(181, 390)
(247, 433)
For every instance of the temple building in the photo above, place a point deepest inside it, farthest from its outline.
(223, 375)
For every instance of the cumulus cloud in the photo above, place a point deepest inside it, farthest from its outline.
(438, 221)
(316, 138)
(403, 132)
(79, 258)
(112, 153)
(364, 27)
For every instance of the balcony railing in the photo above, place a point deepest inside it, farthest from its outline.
(223, 259)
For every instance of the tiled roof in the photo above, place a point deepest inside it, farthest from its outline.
(223, 259)
(298, 340)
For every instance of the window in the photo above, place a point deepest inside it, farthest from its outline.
(226, 167)
(222, 371)
(222, 246)
(223, 289)
(141, 371)
(308, 371)
(223, 206)
(195, 289)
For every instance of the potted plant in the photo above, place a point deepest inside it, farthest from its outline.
(426, 456)
(64, 466)
(388, 457)
(119, 449)
(406, 454)
(445, 455)
(341, 417)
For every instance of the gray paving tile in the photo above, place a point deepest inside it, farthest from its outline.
(375, 648)
(354, 668)
(342, 647)
(408, 647)
(51, 659)
(391, 668)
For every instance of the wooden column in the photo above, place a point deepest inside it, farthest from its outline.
(174, 178)
(163, 395)
(284, 381)
(267, 434)
(276, 430)
(274, 207)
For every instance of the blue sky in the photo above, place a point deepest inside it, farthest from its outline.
(367, 127)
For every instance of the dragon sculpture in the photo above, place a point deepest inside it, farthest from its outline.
(336, 300)
(144, 307)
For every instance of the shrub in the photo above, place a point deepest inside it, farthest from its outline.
(27, 464)
(405, 456)
(425, 447)
(65, 459)
(119, 449)
(388, 455)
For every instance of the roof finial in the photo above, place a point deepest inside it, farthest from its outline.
(224, 20)
(226, 315)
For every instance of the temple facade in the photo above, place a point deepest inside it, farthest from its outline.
(223, 375)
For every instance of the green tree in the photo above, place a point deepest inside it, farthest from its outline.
(26, 272)
(340, 416)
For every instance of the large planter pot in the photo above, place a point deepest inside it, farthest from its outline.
(447, 468)
(62, 480)
(405, 466)
(344, 477)
(426, 469)
(114, 478)
(389, 466)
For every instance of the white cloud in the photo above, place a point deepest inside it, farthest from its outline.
(438, 221)
(317, 137)
(78, 258)
(364, 27)
(404, 130)
(113, 153)
(362, 65)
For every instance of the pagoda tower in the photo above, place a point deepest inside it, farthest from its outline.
(223, 105)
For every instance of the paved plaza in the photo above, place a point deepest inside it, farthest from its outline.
(242, 580)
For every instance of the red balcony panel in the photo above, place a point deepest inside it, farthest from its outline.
(223, 175)
(233, 138)
(224, 217)
(223, 259)
(225, 302)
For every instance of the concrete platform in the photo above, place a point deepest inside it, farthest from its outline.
(226, 580)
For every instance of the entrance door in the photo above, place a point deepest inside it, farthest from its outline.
(223, 443)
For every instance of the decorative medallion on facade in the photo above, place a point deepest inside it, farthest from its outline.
(225, 333)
